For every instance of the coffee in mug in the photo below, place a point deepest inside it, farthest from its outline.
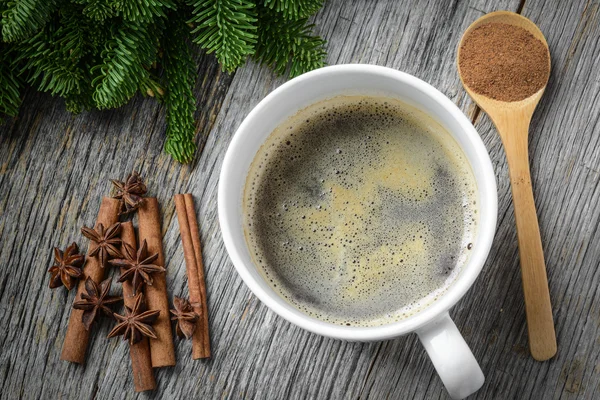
(360, 210)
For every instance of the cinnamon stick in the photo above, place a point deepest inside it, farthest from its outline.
(204, 351)
(162, 350)
(77, 337)
(190, 238)
(141, 362)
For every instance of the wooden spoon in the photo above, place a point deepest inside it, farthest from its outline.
(512, 122)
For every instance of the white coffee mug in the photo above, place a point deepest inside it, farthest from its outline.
(447, 349)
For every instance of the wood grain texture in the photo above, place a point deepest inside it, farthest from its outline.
(54, 168)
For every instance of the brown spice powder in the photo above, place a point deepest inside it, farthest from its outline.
(504, 62)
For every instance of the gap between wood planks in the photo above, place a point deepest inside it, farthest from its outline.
(587, 18)
(371, 365)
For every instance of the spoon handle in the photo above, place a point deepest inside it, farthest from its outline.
(540, 324)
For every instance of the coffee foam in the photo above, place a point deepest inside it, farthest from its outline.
(360, 210)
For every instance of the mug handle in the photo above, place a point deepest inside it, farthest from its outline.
(451, 357)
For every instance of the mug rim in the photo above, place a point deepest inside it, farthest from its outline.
(461, 284)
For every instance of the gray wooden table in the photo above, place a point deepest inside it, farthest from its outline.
(54, 167)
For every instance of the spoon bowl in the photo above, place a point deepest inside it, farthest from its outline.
(497, 109)
(512, 119)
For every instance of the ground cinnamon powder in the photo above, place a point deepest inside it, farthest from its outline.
(504, 62)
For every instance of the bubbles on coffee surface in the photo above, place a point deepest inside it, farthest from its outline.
(360, 210)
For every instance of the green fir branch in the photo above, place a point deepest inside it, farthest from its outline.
(284, 44)
(22, 18)
(142, 11)
(100, 53)
(151, 86)
(100, 33)
(10, 84)
(294, 9)
(98, 10)
(226, 28)
(180, 71)
(125, 65)
(51, 59)
(71, 38)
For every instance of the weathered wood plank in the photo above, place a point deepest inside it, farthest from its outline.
(54, 168)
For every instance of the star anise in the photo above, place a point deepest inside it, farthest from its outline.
(185, 316)
(130, 193)
(138, 267)
(94, 300)
(106, 241)
(135, 324)
(67, 267)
